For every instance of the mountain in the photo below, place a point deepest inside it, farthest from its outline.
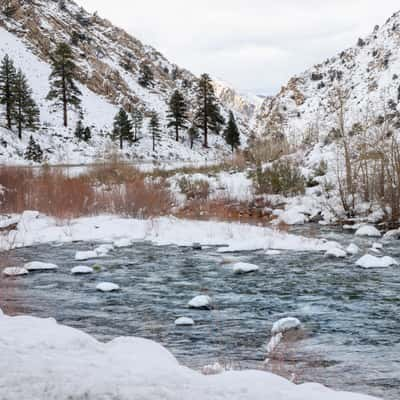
(367, 74)
(109, 62)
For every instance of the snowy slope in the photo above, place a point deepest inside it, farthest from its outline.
(369, 72)
(108, 69)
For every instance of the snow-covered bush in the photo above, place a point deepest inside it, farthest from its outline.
(196, 189)
(281, 177)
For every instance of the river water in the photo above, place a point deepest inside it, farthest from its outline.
(351, 316)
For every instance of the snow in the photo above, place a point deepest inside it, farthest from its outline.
(201, 301)
(120, 243)
(369, 231)
(284, 325)
(184, 321)
(273, 252)
(377, 246)
(352, 249)
(81, 270)
(293, 216)
(15, 271)
(274, 342)
(86, 255)
(336, 252)
(160, 231)
(40, 266)
(104, 249)
(229, 259)
(107, 287)
(392, 235)
(41, 359)
(244, 268)
(369, 261)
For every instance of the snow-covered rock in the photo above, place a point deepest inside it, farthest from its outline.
(86, 255)
(104, 249)
(15, 271)
(273, 252)
(369, 231)
(285, 325)
(82, 270)
(369, 261)
(336, 252)
(293, 217)
(40, 266)
(107, 287)
(352, 249)
(41, 359)
(377, 246)
(1, 313)
(124, 242)
(244, 268)
(394, 234)
(229, 259)
(184, 321)
(274, 342)
(200, 302)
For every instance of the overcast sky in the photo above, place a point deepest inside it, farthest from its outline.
(255, 45)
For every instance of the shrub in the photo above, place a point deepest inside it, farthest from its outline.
(282, 177)
(198, 189)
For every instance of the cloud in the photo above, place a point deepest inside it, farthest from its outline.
(255, 45)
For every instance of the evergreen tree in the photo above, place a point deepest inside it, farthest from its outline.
(63, 88)
(232, 134)
(8, 75)
(81, 132)
(87, 134)
(193, 133)
(155, 130)
(146, 76)
(122, 128)
(177, 113)
(33, 152)
(208, 116)
(137, 122)
(26, 114)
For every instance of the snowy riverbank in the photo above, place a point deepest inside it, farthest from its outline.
(33, 228)
(43, 360)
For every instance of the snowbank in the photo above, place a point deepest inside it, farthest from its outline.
(369, 261)
(43, 360)
(37, 229)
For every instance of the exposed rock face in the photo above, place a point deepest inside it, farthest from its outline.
(368, 73)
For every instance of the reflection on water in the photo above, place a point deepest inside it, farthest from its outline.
(351, 316)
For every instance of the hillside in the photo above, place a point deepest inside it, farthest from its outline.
(368, 73)
(108, 70)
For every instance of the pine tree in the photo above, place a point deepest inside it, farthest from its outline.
(7, 81)
(63, 88)
(137, 122)
(208, 116)
(33, 152)
(193, 133)
(80, 128)
(146, 76)
(177, 113)
(122, 128)
(87, 134)
(232, 134)
(26, 114)
(155, 130)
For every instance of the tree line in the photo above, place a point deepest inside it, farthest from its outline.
(22, 112)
